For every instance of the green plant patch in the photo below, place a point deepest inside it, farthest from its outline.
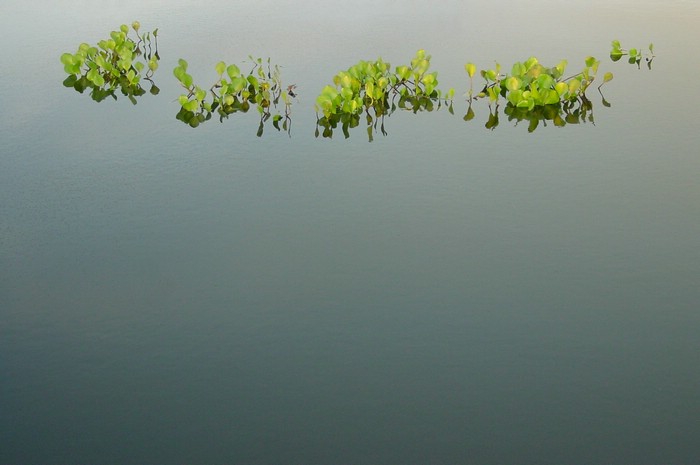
(530, 84)
(634, 55)
(237, 92)
(373, 90)
(121, 62)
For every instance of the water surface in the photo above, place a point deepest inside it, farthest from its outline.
(445, 294)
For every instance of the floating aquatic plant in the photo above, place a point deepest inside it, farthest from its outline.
(530, 84)
(120, 62)
(373, 89)
(236, 92)
(635, 55)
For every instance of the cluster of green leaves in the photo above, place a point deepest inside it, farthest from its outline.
(115, 63)
(236, 92)
(373, 88)
(635, 55)
(533, 92)
(531, 85)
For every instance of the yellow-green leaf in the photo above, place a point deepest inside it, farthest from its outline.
(471, 69)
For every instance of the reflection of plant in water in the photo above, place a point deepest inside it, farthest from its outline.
(115, 63)
(559, 114)
(635, 54)
(373, 89)
(235, 92)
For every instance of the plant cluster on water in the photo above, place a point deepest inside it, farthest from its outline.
(374, 90)
(115, 63)
(635, 55)
(235, 92)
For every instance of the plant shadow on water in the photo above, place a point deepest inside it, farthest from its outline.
(533, 93)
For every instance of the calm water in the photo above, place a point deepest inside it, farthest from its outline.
(444, 295)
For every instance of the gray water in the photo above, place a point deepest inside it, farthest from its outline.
(443, 295)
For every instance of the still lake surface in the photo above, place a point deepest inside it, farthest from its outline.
(445, 294)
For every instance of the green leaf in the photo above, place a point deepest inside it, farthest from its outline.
(513, 83)
(237, 84)
(574, 86)
(192, 105)
(607, 77)
(551, 97)
(253, 80)
(471, 69)
(220, 68)
(233, 71)
(179, 73)
(545, 81)
(561, 88)
(515, 96)
(67, 59)
(183, 64)
(561, 66)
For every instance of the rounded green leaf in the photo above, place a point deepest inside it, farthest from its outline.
(237, 84)
(179, 73)
(67, 59)
(253, 80)
(233, 71)
(192, 105)
(561, 88)
(512, 83)
(574, 86)
(99, 80)
(220, 68)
